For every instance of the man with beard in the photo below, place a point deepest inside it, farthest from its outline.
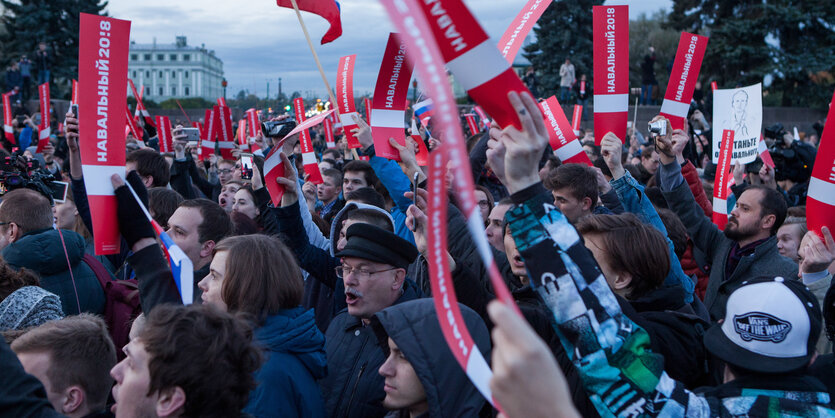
(747, 248)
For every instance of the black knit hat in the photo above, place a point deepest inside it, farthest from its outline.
(378, 245)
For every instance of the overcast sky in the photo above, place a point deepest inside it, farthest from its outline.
(259, 41)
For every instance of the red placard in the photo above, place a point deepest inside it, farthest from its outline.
(576, 118)
(74, 97)
(103, 48)
(166, 141)
(221, 101)
(329, 139)
(7, 117)
(43, 128)
(273, 169)
(132, 128)
(820, 201)
(611, 70)
(243, 139)
(518, 30)
(470, 117)
(226, 137)
(691, 51)
(389, 105)
(723, 176)
(474, 60)
(560, 135)
(367, 103)
(140, 107)
(254, 127)
(311, 166)
(207, 141)
(345, 99)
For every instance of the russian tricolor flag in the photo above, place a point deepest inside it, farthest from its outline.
(424, 111)
(181, 267)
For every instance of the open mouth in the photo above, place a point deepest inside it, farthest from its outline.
(222, 201)
(517, 261)
(352, 296)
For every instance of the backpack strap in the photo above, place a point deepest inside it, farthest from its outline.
(98, 269)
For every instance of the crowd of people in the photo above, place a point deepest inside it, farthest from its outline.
(632, 301)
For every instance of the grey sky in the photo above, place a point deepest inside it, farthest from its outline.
(258, 41)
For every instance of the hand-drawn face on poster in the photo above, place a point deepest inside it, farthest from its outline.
(739, 110)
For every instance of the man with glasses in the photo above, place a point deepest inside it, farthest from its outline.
(373, 272)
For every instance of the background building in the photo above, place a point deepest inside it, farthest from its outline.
(175, 70)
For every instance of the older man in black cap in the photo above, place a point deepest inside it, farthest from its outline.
(373, 272)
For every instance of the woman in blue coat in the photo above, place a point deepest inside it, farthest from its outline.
(257, 276)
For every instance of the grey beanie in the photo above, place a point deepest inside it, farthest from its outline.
(29, 306)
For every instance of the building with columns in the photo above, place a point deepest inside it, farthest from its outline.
(177, 70)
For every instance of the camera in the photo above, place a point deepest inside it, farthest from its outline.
(658, 128)
(16, 172)
(277, 129)
(775, 131)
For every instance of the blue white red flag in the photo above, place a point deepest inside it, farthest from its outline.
(328, 9)
(424, 111)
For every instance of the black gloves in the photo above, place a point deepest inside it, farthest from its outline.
(132, 221)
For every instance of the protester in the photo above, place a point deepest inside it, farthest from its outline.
(27, 240)
(495, 224)
(162, 203)
(151, 167)
(72, 358)
(789, 237)
(196, 227)
(574, 187)
(420, 378)
(244, 203)
(226, 198)
(327, 194)
(567, 80)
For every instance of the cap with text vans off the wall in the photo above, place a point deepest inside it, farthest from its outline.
(771, 326)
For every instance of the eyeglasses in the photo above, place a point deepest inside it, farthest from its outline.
(360, 273)
(225, 171)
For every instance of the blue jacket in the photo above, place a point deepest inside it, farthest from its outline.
(294, 351)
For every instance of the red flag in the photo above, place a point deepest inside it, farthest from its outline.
(611, 70)
(473, 59)
(140, 107)
(311, 166)
(723, 176)
(764, 154)
(226, 137)
(576, 118)
(470, 117)
(43, 128)
(389, 98)
(7, 117)
(166, 141)
(820, 201)
(345, 97)
(132, 128)
(691, 50)
(328, 9)
(422, 153)
(367, 103)
(485, 121)
(329, 139)
(560, 135)
(273, 169)
(518, 30)
(102, 88)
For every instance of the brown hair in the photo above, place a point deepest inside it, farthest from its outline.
(28, 209)
(150, 163)
(216, 224)
(78, 226)
(163, 202)
(262, 276)
(633, 247)
(11, 279)
(579, 179)
(208, 353)
(80, 352)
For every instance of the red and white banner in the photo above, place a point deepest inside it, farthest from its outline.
(611, 70)
(7, 117)
(820, 201)
(131, 124)
(367, 103)
(576, 118)
(254, 127)
(103, 47)
(691, 51)
(311, 166)
(485, 121)
(221, 101)
(243, 139)
(207, 141)
(329, 139)
(560, 135)
(720, 182)
(226, 137)
(307, 124)
(474, 60)
(166, 141)
(470, 117)
(273, 169)
(417, 32)
(389, 105)
(345, 99)
(518, 30)
(140, 107)
(765, 156)
(43, 128)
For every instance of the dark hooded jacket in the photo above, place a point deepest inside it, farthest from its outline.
(353, 388)
(294, 351)
(414, 328)
(43, 252)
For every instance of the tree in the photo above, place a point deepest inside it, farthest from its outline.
(646, 32)
(790, 44)
(55, 22)
(564, 31)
